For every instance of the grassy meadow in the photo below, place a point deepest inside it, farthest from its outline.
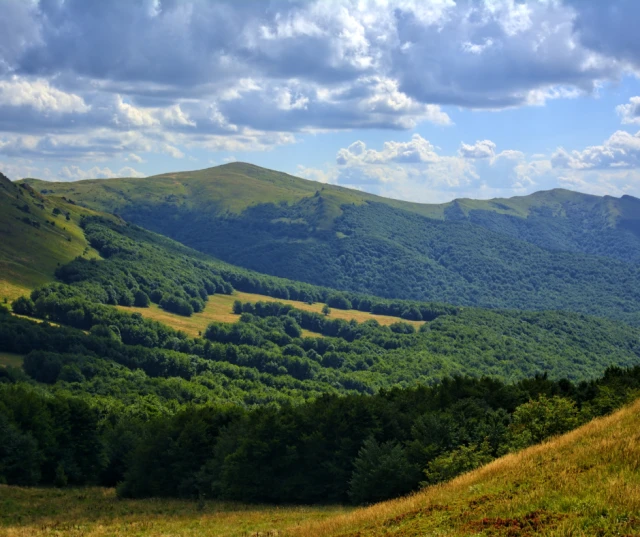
(219, 308)
(584, 483)
(97, 512)
(10, 359)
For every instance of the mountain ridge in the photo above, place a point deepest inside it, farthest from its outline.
(550, 250)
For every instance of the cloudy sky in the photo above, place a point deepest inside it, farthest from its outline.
(425, 100)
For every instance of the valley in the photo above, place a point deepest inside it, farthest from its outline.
(189, 376)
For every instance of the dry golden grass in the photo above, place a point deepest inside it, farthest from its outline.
(96, 512)
(12, 290)
(584, 483)
(219, 308)
(10, 359)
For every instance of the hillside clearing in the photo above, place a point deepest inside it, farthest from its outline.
(586, 482)
(219, 308)
(10, 359)
(97, 512)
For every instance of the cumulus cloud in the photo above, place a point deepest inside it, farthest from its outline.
(630, 112)
(620, 150)
(75, 173)
(416, 170)
(166, 76)
(481, 149)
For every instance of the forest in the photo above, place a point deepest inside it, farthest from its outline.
(255, 411)
(90, 410)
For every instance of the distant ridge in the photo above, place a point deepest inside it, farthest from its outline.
(553, 249)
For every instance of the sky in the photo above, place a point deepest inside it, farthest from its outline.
(421, 100)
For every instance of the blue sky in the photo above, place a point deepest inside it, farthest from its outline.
(424, 100)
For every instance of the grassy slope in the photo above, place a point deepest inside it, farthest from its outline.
(30, 255)
(586, 482)
(219, 308)
(95, 512)
(236, 186)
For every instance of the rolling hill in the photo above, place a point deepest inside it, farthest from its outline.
(586, 482)
(37, 235)
(550, 250)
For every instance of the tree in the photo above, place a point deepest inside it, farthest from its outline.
(24, 306)
(381, 471)
(537, 420)
(456, 462)
(141, 299)
(326, 310)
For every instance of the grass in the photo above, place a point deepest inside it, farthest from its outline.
(219, 308)
(585, 483)
(29, 255)
(96, 512)
(10, 359)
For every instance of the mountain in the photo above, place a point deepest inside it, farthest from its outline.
(550, 250)
(582, 483)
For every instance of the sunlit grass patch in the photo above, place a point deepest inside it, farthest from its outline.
(10, 359)
(219, 308)
(96, 512)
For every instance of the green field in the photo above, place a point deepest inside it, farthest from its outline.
(33, 249)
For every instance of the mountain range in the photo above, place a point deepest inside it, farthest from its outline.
(555, 249)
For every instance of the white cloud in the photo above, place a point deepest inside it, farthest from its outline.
(620, 150)
(481, 149)
(75, 173)
(39, 95)
(630, 112)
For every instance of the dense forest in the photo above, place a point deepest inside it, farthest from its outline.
(257, 411)
(91, 410)
(553, 250)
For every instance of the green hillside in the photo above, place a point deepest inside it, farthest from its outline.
(551, 250)
(36, 237)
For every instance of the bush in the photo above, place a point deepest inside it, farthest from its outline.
(24, 306)
(141, 299)
(456, 462)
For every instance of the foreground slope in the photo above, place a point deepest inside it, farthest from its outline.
(551, 250)
(586, 482)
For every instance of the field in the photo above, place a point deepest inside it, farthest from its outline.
(95, 512)
(584, 483)
(219, 308)
(10, 359)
